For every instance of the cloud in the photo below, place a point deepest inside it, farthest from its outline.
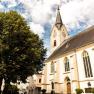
(40, 10)
(77, 11)
(9, 3)
(76, 14)
(1, 7)
(41, 14)
(37, 29)
(44, 11)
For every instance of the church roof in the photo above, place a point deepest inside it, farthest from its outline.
(81, 39)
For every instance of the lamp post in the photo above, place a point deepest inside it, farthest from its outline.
(52, 84)
(89, 86)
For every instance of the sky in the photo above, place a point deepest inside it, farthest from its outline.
(40, 15)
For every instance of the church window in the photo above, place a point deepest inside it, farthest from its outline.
(54, 42)
(87, 64)
(39, 80)
(52, 67)
(67, 66)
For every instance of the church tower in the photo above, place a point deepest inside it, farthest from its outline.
(59, 32)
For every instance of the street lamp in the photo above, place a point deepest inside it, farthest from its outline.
(52, 84)
(89, 86)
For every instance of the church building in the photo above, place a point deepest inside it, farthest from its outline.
(71, 63)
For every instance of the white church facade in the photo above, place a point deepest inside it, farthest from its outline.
(71, 63)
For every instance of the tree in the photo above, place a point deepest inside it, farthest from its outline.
(22, 52)
(12, 89)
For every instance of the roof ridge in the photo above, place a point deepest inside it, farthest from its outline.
(82, 32)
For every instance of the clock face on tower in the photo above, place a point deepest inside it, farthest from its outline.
(63, 34)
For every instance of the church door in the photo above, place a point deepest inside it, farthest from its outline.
(68, 88)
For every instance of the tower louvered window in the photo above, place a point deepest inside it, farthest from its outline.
(52, 67)
(87, 64)
(54, 42)
(67, 65)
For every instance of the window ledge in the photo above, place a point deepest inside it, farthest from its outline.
(93, 49)
(51, 73)
(66, 72)
(89, 77)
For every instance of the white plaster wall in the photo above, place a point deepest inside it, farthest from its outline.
(43, 77)
(83, 80)
(49, 76)
(61, 35)
(60, 72)
(57, 38)
(73, 87)
(61, 68)
(80, 65)
(91, 54)
(72, 67)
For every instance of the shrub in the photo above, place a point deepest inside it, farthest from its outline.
(79, 91)
(11, 89)
(52, 92)
(92, 90)
(43, 91)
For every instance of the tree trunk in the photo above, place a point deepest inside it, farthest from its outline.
(0, 84)
(6, 88)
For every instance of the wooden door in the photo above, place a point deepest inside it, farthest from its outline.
(68, 88)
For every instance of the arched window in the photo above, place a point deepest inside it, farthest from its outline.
(52, 67)
(67, 66)
(87, 64)
(39, 80)
(54, 42)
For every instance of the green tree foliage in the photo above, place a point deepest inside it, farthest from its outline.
(21, 51)
(92, 90)
(79, 91)
(11, 89)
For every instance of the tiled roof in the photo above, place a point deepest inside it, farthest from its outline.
(81, 39)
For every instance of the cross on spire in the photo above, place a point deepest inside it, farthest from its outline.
(58, 8)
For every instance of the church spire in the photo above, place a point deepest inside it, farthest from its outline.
(59, 32)
(58, 22)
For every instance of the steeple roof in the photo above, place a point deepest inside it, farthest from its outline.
(58, 22)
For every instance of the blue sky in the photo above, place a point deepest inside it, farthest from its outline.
(77, 15)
